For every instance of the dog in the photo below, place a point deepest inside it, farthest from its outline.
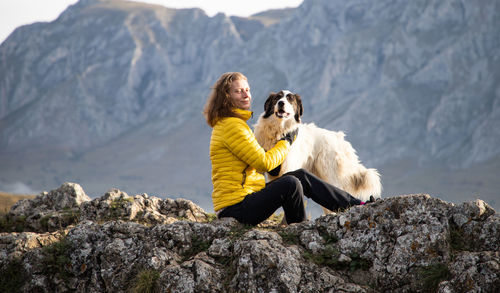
(323, 152)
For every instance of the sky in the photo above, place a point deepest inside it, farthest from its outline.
(14, 13)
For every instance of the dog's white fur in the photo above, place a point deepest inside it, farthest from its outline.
(323, 152)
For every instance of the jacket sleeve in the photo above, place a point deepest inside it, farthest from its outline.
(240, 140)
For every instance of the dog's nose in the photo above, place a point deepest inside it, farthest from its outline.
(281, 103)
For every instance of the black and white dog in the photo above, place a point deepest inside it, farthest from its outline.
(323, 152)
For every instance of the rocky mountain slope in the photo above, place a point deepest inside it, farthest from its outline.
(112, 91)
(120, 243)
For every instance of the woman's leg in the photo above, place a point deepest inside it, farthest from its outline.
(322, 192)
(283, 192)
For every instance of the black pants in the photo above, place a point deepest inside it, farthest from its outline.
(287, 192)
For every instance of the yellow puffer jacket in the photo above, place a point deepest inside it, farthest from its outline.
(237, 158)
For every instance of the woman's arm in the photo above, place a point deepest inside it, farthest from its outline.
(240, 140)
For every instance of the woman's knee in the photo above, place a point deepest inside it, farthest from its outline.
(289, 179)
(293, 184)
(299, 173)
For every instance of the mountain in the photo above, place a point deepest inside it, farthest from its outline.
(63, 241)
(111, 92)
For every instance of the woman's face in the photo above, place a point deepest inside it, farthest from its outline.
(240, 94)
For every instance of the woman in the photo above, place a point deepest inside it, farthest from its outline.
(238, 161)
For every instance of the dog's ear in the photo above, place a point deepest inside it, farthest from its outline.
(269, 105)
(300, 109)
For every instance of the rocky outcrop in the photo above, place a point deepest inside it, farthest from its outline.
(120, 243)
(67, 205)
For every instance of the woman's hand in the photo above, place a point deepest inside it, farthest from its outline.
(291, 136)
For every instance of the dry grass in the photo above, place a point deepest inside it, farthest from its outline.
(7, 200)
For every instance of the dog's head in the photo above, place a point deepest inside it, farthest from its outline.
(284, 105)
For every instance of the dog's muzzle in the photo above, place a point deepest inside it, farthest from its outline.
(281, 113)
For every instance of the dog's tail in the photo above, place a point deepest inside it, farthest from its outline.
(366, 182)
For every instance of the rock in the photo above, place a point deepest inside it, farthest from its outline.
(14, 245)
(410, 243)
(475, 272)
(49, 211)
(68, 196)
(142, 208)
(67, 205)
(473, 210)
